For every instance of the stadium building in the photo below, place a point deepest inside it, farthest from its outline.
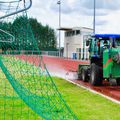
(74, 42)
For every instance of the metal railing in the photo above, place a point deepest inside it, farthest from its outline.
(79, 56)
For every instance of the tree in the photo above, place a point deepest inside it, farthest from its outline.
(26, 32)
(45, 36)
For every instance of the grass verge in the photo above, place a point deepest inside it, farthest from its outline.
(86, 105)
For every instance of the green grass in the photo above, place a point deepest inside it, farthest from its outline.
(11, 106)
(86, 105)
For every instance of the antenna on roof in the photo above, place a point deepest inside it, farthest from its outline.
(94, 20)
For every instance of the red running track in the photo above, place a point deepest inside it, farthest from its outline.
(62, 64)
(66, 68)
(68, 65)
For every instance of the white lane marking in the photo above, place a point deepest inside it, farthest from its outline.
(95, 92)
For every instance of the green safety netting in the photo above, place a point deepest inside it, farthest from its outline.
(27, 91)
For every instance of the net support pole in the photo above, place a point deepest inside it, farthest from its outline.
(22, 10)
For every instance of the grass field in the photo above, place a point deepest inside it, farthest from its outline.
(86, 105)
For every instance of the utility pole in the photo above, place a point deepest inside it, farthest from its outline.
(94, 19)
(59, 3)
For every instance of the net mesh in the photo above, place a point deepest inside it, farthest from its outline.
(27, 90)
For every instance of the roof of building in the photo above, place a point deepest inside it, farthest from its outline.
(64, 29)
(74, 28)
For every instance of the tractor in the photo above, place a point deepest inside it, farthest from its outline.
(104, 55)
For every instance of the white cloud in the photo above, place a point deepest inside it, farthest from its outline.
(77, 13)
(2, 13)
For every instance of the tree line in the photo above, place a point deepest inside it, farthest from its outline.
(28, 34)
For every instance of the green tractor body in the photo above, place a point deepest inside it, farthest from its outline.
(104, 54)
(111, 63)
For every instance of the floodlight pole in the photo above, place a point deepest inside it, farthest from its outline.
(59, 3)
(94, 20)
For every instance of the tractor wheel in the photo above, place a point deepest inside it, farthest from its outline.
(79, 76)
(95, 75)
(113, 82)
(84, 75)
(118, 81)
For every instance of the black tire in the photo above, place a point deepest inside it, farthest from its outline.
(79, 76)
(113, 82)
(95, 75)
(118, 81)
(84, 75)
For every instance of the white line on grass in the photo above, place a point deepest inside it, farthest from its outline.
(95, 92)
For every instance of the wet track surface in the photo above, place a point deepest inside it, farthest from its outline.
(66, 68)
(105, 89)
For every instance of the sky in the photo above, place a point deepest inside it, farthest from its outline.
(78, 13)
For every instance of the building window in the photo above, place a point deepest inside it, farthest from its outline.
(78, 50)
(70, 33)
(65, 34)
(73, 33)
(77, 32)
